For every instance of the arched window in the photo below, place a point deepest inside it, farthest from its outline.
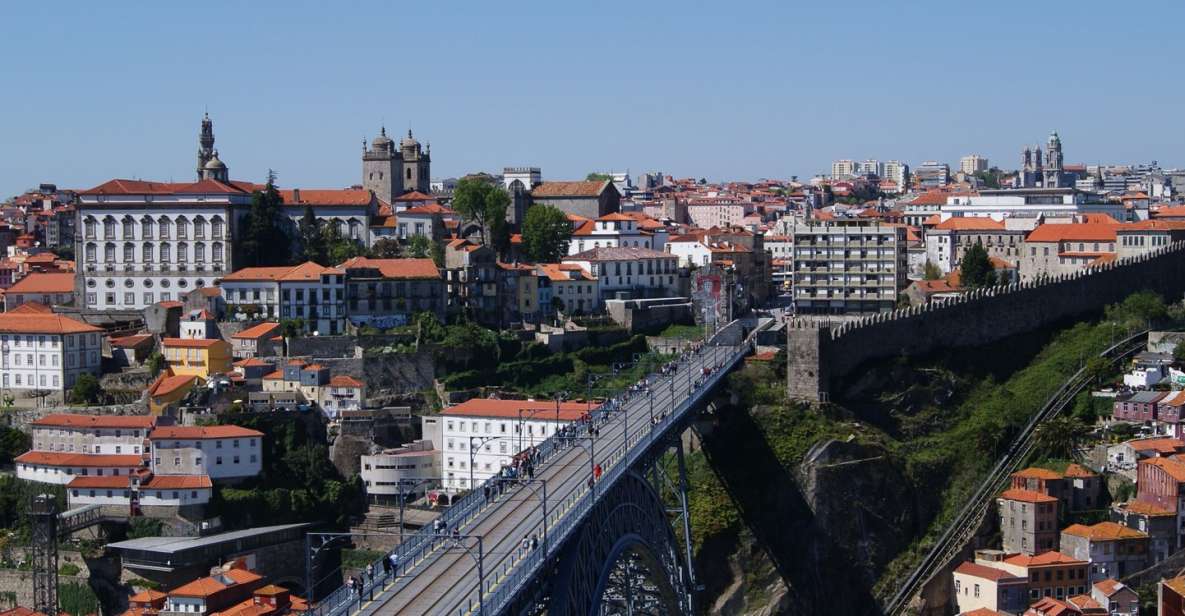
(409, 173)
(164, 228)
(146, 251)
(129, 252)
(129, 228)
(91, 251)
(199, 252)
(355, 229)
(109, 253)
(216, 227)
(88, 227)
(182, 227)
(165, 257)
(182, 250)
(109, 228)
(146, 228)
(199, 228)
(217, 250)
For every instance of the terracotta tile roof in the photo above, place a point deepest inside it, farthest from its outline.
(252, 362)
(1080, 232)
(44, 282)
(931, 197)
(357, 197)
(202, 432)
(53, 458)
(1103, 531)
(929, 287)
(31, 308)
(105, 482)
(986, 572)
(1109, 586)
(204, 587)
(570, 189)
(274, 376)
(1176, 584)
(1042, 559)
(1084, 602)
(983, 611)
(191, 343)
(165, 385)
(35, 323)
(1037, 473)
(970, 223)
(1174, 211)
(344, 381)
(414, 195)
(1027, 496)
(563, 272)
(256, 332)
(427, 209)
(1173, 468)
(1161, 445)
(142, 187)
(147, 596)
(70, 420)
(179, 482)
(306, 271)
(1077, 470)
(1153, 225)
(397, 269)
(132, 341)
(211, 291)
(1139, 507)
(540, 410)
(171, 303)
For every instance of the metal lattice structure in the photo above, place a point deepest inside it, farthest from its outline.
(625, 560)
(43, 509)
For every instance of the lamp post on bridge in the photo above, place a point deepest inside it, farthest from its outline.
(414, 483)
(480, 440)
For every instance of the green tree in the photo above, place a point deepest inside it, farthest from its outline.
(436, 251)
(976, 269)
(291, 328)
(338, 248)
(1179, 353)
(482, 203)
(546, 233)
(386, 248)
(155, 363)
(265, 241)
(312, 242)
(86, 389)
(1060, 437)
(419, 246)
(597, 177)
(931, 271)
(13, 443)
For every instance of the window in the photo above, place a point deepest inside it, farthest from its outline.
(218, 460)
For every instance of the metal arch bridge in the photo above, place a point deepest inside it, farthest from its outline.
(604, 547)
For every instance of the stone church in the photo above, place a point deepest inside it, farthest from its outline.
(391, 172)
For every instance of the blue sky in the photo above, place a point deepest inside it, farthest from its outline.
(722, 90)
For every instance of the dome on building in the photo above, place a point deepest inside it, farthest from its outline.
(408, 141)
(215, 164)
(382, 142)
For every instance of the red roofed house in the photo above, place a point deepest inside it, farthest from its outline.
(132, 350)
(255, 340)
(46, 352)
(209, 595)
(314, 384)
(168, 389)
(1160, 484)
(67, 445)
(1124, 457)
(388, 292)
(949, 240)
(1050, 574)
(471, 278)
(511, 425)
(50, 289)
(1115, 597)
(196, 357)
(1148, 235)
(220, 452)
(1057, 249)
(146, 603)
(1113, 550)
(310, 292)
(979, 586)
(1028, 521)
(1170, 597)
(1048, 606)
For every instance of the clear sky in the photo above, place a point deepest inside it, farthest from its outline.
(723, 90)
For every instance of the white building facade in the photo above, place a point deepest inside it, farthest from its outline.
(46, 352)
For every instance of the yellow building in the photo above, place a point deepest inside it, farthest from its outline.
(197, 356)
(167, 389)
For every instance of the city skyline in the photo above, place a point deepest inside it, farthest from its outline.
(723, 93)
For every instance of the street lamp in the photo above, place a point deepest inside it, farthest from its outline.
(481, 440)
(531, 413)
(414, 483)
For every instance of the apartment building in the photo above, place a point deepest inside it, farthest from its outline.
(388, 292)
(848, 266)
(1113, 550)
(409, 470)
(1050, 574)
(312, 293)
(634, 272)
(65, 446)
(46, 352)
(1028, 521)
(1056, 249)
(219, 452)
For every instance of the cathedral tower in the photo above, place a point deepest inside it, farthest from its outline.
(380, 173)
(416, 165)
(1053, 161)
(205, 145)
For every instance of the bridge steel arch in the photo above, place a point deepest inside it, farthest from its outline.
(629, 522)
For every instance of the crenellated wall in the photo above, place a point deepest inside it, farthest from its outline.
(821, 353)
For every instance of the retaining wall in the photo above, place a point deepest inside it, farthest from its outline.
(822, 353)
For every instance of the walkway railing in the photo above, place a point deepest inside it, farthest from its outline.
(969, 518)
(501, 585)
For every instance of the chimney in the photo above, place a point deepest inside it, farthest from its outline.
(296, 195)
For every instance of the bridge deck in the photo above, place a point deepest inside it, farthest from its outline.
(444, 580)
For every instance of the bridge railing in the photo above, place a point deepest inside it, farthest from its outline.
(621, 459)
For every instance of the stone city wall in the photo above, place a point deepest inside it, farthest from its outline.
(820, 354)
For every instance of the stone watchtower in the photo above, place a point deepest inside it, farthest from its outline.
(381, 172)
(806, 369)
(417, 164)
